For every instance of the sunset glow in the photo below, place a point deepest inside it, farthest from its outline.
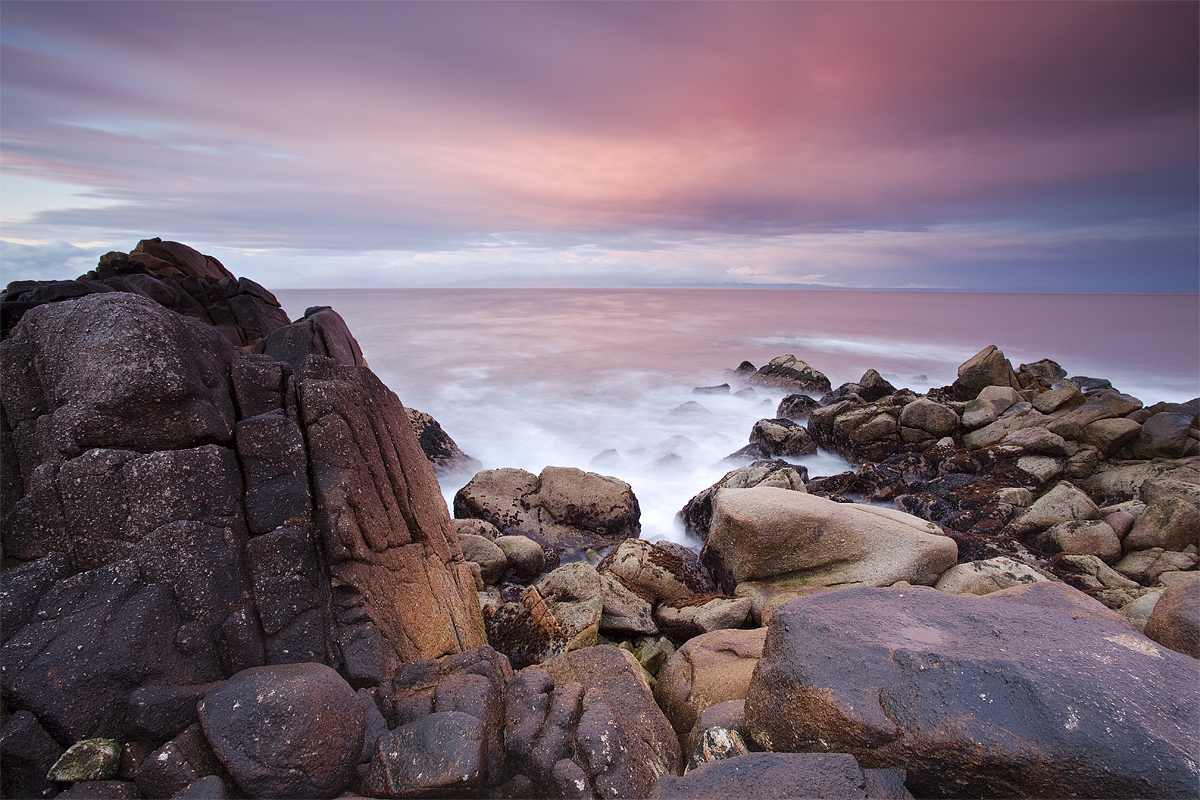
(980, 146)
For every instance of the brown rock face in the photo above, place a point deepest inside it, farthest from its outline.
(978, 698)
(382, 521)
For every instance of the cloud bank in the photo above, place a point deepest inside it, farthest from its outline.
(984, 146)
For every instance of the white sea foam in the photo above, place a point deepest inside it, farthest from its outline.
(535, 378)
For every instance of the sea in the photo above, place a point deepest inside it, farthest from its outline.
(589, 378)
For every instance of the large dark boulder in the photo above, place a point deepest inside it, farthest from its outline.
(320, 332)
(292, 730)
(440, 755)
(113, 370)
(93, 638)
(977, 696)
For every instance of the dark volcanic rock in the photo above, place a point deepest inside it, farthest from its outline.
(293, 730)
(113, 370)
(441, 755)
(26, 754)
(440, 449)
(472, 682)
(976, 697)
(94, 637)
(320, 332)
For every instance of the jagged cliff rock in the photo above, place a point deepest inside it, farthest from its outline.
(176, 509)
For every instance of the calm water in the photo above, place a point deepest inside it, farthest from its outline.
(530, 378)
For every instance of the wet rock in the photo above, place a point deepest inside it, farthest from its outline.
(472, 682)
(159, 713)
(708, 669)
(178, 764)
(565, 507)
(292, 730)
(622, 741)
(697, 513)
(782, 437)
(986, 368)
(722, 389)
(987, 576)
(768, 533)
(789, 373)
(100, 790)
(210, 787)
(444, 454)
(795, 407)
(1175, 622)
(833, 663)
(64, 666)
(1043, 374)
(441, 755)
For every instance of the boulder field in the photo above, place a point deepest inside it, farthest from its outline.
(228, 571)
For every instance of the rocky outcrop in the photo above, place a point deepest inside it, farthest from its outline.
(177, 510)
(170, 274)
(975, 697)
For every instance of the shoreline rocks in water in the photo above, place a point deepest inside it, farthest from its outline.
(226, 556)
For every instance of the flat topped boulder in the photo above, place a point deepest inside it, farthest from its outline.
(766, 533)
(977, 697)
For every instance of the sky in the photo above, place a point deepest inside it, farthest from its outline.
(976, 146)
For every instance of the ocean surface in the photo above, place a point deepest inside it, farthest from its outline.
(535, 377)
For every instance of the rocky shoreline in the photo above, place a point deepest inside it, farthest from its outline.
(228, 571)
